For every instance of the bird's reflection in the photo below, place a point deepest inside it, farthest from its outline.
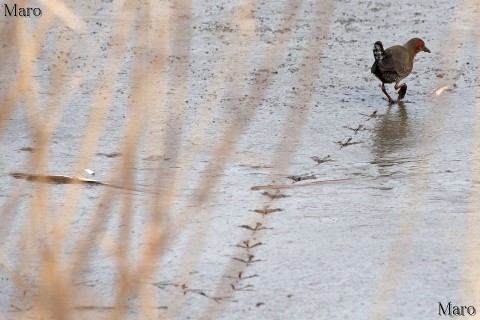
(390, 135)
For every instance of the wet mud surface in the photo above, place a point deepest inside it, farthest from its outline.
(366, 218)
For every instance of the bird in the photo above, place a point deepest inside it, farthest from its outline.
(395, 63)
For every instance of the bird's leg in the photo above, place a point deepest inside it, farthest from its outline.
(402, 91)
(390, 100)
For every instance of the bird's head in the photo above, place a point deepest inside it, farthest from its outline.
(417, 45)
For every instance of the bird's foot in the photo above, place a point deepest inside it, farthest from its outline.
(402, 92)
(390, 100)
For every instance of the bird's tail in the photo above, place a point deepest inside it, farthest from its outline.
(378, 51)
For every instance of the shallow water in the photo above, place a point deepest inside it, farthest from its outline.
(379, 233)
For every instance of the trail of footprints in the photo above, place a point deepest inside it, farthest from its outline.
(251, 243)
(239, 280)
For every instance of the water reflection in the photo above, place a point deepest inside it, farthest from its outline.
(391, 136)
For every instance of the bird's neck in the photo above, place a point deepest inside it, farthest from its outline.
(412, 48)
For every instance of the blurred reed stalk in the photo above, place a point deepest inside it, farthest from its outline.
(48, 275)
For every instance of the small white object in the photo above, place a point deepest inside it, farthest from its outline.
(438, 91)
(90, 172)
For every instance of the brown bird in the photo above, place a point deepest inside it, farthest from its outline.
(395, 63)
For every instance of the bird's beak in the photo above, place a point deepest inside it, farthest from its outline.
(426, 49)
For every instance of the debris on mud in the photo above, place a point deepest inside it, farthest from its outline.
(156, 158)
(55, 179)
(110, 155)
(61, 179)
(247, 287)
(437, 91)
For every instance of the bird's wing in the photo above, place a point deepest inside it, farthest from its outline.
(387, 63)
(400, 60)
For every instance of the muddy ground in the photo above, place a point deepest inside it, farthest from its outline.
(333, 204)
